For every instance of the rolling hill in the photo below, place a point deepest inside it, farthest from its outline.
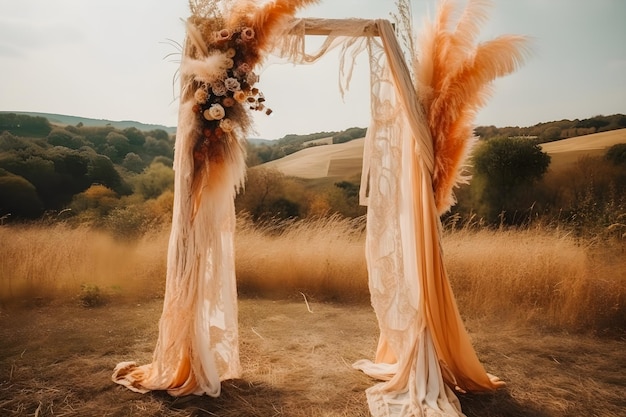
(64, 120)
(567, 151)
(344, 160)
(340, 160)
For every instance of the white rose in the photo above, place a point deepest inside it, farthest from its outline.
(217, 112)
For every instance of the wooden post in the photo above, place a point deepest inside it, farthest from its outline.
(317, 26)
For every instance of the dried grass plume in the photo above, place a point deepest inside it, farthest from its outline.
(453, 76)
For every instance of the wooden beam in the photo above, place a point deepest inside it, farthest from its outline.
(339, 27)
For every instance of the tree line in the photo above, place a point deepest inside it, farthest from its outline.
(122, 178)
(43, 167)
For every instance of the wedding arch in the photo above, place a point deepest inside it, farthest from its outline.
(419, 135)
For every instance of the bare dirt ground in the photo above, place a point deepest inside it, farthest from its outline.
(56, 359)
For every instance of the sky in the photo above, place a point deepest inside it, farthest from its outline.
(117, 59)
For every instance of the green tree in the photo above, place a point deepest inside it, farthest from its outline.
(158, 147)
(120, 143)
(263, 195)
(350, 134)
(505, 169)
(63, 137)
(102, 171)
(18, 197)
(24, 125)
(617, 154)
(550, 134)
(154, 180)
(135, 136)
(10, 142)
(97, 199)
(133, 162)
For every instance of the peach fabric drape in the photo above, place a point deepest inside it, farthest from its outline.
(424, 351)
(424, 348)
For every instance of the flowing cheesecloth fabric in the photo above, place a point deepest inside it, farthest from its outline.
(424, 352)
(424, 348)
(198, 343)
(402, 243)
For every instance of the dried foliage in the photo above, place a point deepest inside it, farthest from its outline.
(453, 74)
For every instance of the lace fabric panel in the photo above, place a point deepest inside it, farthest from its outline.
(406, 358)
(422, 340)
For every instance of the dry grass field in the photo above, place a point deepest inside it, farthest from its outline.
(345, 160)
(568, 151)
(316, 162)
(57, 360)
(545, 311)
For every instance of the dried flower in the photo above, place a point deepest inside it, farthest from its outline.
(252, 78)
(247, 34)
(227, 125)
(224, 88)
(222, 35)
(232, 84)
(242, 70)
(218, 88)
(201, 95)
(217, 112)
(207, 115)
(240, 96)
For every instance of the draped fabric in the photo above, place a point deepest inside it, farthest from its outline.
(198, 343)
(424, 352)
(423, 342)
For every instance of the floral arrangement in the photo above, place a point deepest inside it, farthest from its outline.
(219, 101)
(226, 40)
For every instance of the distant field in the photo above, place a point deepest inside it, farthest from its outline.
(323, 141)
(344, 160)
(568, 151)
(322, 161)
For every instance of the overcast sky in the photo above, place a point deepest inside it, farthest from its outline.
(108, 59)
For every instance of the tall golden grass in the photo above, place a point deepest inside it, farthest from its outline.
(58, 262)
(538, 276)
(322, 258)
